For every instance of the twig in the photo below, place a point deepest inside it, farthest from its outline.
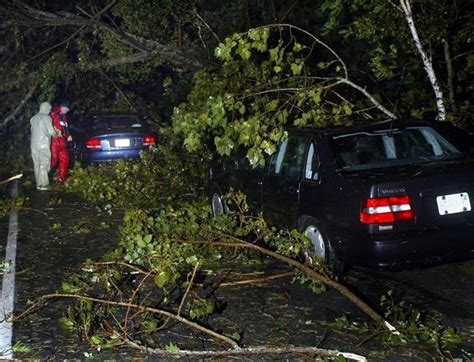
(118, 90)
(35, 210)
(372, 336)
(132, 297)
(252, 281)
(16, 177)
(25, 99)
(207, 26)
(188, 289)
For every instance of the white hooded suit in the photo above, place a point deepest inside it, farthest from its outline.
(41, 132)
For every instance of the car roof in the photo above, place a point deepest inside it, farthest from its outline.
(113, 114)
(360, 126)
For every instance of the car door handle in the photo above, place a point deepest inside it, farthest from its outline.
(293, 189)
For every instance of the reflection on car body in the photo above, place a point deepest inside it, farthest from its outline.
(386, 195)
(107, 137)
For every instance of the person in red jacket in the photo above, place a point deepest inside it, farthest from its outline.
(59, 150)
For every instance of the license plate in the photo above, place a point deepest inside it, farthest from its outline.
(453, 204)
(122, 142)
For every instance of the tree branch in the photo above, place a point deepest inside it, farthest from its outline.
(25, 99)
(238, 243)
(250, 351)
(141, 308)
(18, 13)
(368, 96)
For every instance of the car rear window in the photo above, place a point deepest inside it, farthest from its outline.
(385, 148)
(117, 123)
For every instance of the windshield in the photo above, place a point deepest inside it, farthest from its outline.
(386, 148)
(107, 123)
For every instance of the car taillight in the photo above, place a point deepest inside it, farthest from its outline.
(93, 143)
(149, 140)
(382, 210)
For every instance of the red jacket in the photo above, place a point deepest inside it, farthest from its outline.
(60, 122)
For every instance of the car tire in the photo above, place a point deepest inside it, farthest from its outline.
(320, 244)
(218, 206)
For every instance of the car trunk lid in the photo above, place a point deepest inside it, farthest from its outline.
(440, 194)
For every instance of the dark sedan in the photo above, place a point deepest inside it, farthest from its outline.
(386, 195)
(111, 136)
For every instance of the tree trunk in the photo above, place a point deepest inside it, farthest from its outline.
(450, 74)
(427, 63)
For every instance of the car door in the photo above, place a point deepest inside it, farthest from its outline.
(281, 186)
(249, 180)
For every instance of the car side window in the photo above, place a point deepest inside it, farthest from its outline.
(312, 164)
(290, 158)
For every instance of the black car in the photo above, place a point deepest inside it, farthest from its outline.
(104, 137)
(386, 195)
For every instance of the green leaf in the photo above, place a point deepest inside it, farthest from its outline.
(161, 279)
(192, 259)
(140, 242)
(296, 68)
(97, 340)
(172, 348)
(68, 288)
(20, 347)
(347, 108)
(297, 47)
(67, 324)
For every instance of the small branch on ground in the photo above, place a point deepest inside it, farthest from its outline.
(138, 307)
(16, 177)
(250, 351)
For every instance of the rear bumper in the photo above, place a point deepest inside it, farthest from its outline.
(407, 250)
(108, 156)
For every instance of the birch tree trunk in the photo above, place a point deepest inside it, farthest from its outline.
(427, 63)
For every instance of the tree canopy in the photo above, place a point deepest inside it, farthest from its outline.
(141, 55)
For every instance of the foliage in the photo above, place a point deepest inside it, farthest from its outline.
(414, 326)
(390, 57)
(7, 204)
(265, 83)
(20, 347)
(96, 66)
(159, 251)
(164, 175)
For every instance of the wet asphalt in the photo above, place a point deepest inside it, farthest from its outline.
(58, 231)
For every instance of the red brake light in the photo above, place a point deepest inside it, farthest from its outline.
(382, 210)
(149, 140)
(93, 143)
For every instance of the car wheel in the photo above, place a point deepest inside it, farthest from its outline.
(318, 244)
(321, 246)
(218, 206)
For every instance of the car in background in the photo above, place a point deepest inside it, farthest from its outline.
(104, 137)
(389, 195)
